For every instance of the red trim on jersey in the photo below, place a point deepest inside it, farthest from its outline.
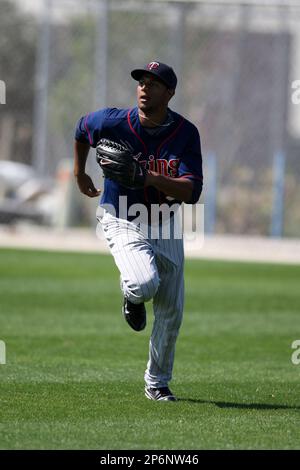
(135, 133)
(86, 128)
(169, 137)
(190, 174)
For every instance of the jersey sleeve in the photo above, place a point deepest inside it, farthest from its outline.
(191, 164)
(88, 128)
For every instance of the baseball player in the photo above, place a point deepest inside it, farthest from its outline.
(167, 154)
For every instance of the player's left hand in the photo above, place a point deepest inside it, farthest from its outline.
(118, 164)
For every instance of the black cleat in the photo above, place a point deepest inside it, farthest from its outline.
(135, 314)
(159, 394)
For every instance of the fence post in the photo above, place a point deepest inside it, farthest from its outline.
(101, 54)
(41, 92)
(278, 194)
(176, 51)
(210, 188)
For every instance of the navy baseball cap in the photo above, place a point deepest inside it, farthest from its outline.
(162, 71)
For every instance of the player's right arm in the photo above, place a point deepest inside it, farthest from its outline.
(86, 136)
(84, 181)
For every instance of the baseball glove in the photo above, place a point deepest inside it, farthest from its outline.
(118, 164)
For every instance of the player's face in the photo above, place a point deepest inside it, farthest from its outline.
(152, 94)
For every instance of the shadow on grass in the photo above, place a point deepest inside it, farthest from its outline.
(245, 406)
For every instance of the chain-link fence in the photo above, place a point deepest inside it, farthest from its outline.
(236, 63)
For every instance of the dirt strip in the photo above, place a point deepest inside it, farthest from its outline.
(222, 247)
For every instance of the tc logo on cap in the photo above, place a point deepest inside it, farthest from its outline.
(153, 65)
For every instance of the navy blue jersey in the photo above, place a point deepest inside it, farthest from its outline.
(175, 151)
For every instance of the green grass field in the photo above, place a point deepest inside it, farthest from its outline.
(74, 372)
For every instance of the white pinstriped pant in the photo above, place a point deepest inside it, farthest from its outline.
(150, 269)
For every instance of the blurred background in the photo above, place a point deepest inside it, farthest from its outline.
(236, 62)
